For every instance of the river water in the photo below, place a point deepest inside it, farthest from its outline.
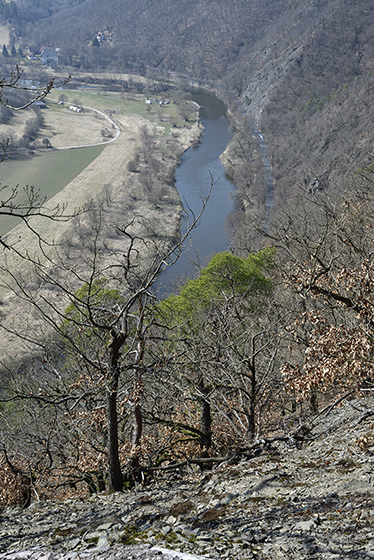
(198, 168)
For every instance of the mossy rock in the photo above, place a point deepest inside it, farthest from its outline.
(181, 508)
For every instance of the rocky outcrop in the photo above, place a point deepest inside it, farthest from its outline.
(312, 502)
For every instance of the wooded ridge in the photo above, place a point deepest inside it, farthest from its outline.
(235, 368)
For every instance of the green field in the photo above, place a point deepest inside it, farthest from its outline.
(49, 173)
(128, 104)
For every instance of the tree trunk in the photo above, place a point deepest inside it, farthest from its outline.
(137, 435)
(205, 415)
(252, 402)
(114, 467)
(206, 424)
(138, 387)
(313, 401)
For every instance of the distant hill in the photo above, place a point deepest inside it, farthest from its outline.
(302, 68)
(199, 37)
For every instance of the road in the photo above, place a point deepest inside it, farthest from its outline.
(111, 121)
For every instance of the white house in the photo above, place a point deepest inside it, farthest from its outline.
(48, 55)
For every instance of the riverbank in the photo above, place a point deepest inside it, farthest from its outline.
(201, 172)
(110, 195)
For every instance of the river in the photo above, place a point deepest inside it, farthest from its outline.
(193, 180)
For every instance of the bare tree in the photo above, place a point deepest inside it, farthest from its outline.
(324, 241)
(103, 324)
(12, 82)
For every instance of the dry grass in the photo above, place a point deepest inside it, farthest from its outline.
(66, 128)
(16, 128)
(63, 127)
(107, 173)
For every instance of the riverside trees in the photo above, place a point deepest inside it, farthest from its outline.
(225, 344)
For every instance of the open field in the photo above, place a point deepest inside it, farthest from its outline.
(64, 128)
(49, 172)
(132, 104)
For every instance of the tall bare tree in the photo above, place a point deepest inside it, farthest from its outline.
(102, 326)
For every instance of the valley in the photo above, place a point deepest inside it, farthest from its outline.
(231, 419)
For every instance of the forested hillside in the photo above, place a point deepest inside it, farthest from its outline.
(200, 38)
(123, 385)
(302, 69)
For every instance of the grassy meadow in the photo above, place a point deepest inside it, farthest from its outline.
(49, 173)
(129, 104)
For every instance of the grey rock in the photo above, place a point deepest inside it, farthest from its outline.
(295, 504)
(305, 525)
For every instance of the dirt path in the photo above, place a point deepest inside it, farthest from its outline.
(117, 130)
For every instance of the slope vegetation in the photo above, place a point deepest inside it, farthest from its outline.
(302, 68)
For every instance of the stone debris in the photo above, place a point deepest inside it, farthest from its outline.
(313, 502)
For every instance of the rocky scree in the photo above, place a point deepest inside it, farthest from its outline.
(310, 502)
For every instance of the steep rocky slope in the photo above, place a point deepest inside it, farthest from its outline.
(295, 501)
(309, 92)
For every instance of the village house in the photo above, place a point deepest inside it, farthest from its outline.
(33, 53)
(40, 104)
(48, 55)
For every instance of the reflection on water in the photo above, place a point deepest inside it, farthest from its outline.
(193, 180)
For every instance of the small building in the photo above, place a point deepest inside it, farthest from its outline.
(33, 53)
(48, 55)
(41, 104)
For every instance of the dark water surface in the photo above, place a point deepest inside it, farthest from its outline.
(193, 180)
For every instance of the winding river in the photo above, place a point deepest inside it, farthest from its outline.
(193, 180)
